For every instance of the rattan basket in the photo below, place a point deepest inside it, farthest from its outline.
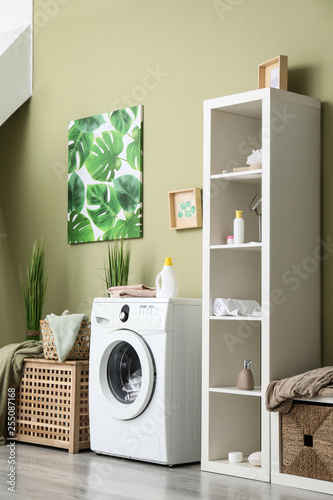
(307, 441)
(80, 349)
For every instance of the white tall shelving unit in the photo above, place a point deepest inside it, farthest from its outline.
(282, 272)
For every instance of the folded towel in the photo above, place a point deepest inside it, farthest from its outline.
(234, 307)
(280, 393)
(11, 361)
(132, 291)
(65, 329)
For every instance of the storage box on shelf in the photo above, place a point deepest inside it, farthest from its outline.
(286, 339)
(302, 445)
(52, 404)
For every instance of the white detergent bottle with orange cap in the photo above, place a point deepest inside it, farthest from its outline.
(167, 281)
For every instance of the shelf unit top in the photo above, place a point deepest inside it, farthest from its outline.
(249, 103)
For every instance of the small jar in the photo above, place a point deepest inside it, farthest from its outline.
(230, 240)
(235, 457)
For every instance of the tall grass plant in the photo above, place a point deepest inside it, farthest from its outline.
(116, 267)
(33, 286)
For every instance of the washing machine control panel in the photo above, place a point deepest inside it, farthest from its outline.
(153, 316)
(132, 315)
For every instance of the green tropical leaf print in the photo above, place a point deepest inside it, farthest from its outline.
(76, 193)
(79, 229)
(134, 150)
(90, 123)
(134, 110)
(104, 159)
(128, 190)
(79, 146)
(131, 227)
(103, 197)
(121, 121)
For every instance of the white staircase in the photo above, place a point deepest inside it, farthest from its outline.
(16, 19)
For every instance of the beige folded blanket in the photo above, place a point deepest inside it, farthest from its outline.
(280, 393)
(132, 291)
(11, 363)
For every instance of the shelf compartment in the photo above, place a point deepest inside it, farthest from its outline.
(231, 135)
(245, 416)
(225, 198)
(230, 343)
(233, 390)
(235, 275)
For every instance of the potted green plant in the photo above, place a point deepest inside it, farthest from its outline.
(116, 268)
(33, 289)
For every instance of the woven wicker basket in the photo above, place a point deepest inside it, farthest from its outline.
(307, 441)
(80, 349)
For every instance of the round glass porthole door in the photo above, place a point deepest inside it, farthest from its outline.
(124, 373)
(127, 374)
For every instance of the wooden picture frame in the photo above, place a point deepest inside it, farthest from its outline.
(274, 73)
(185, 208)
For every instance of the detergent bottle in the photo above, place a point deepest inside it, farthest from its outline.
(167, 281)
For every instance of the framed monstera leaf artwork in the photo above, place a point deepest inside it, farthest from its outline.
(105, 176)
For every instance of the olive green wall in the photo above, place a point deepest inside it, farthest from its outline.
(93, 57)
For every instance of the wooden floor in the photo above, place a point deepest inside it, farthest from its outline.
(50, 473)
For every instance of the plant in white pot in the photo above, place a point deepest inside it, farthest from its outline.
(34, 288)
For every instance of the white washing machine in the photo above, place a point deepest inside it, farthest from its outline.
(145, 379)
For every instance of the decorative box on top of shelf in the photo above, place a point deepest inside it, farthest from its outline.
(286, 339)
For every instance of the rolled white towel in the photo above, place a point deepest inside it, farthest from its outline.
(235, 307)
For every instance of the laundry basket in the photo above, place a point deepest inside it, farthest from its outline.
(81, 346)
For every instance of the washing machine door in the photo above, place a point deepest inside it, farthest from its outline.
(127, 374)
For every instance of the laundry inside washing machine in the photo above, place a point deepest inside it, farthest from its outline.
(124, 373)
(145, 379)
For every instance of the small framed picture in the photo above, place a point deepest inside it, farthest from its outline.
(274, 73)
(185, 208)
